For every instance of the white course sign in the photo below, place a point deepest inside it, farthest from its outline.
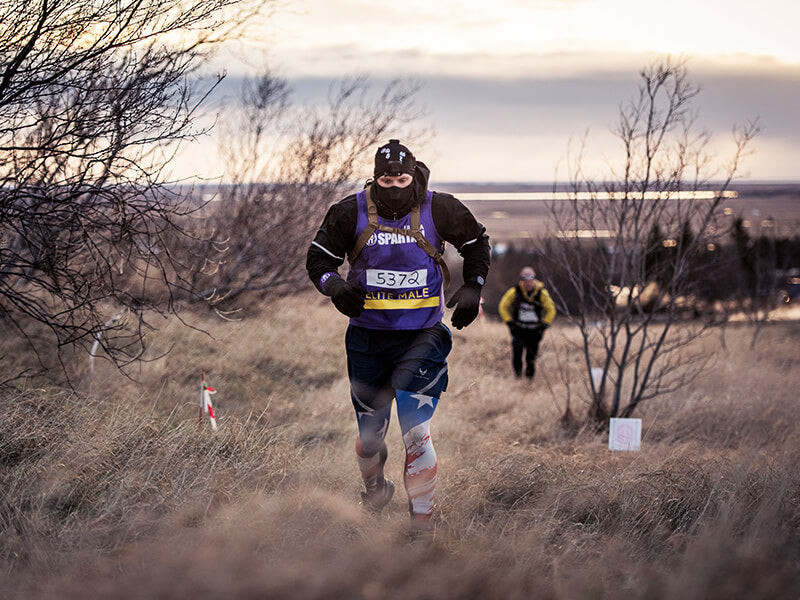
(625, 434)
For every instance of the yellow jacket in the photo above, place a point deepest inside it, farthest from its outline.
(521, 308)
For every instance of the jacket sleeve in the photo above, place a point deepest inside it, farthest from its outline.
(334, 238)
(504, 307)
(548, 306)
(457, 226)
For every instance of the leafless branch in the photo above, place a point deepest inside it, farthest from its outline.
(95, 99)
(629, 249)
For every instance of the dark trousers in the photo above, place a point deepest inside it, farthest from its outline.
(526, 341)
(380, 362)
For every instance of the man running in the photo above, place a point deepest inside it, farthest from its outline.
(528, 310)
(393, 234)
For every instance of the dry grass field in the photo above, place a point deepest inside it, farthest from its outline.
(115, 492)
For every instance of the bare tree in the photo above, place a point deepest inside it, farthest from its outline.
(286, 164)
(95, 98)
(630, 248)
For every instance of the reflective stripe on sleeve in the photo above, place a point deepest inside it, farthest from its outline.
(326, 251)
(468, 243)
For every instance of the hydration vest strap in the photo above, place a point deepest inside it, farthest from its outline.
(423, 243)
(536, 301)
(372, 226)
(421, 240)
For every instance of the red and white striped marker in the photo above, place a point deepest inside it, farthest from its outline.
(205, 402)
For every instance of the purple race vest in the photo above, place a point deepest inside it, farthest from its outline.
(403, 283)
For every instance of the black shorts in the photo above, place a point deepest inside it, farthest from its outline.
(380, 362)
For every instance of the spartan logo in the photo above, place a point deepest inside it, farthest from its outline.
(383, 238)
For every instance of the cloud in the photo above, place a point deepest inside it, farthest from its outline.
(491, 127)
(589, 99)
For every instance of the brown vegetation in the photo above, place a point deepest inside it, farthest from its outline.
(116, 492)
(96, 98)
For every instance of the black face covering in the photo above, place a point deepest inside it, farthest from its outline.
(395, 200)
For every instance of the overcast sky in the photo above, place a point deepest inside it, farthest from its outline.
(508, 83)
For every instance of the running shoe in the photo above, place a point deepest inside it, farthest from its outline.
(376, 499)
(420, 529)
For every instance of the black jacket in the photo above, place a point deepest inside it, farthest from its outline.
(454, 222)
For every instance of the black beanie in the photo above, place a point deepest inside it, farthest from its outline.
(394, 159)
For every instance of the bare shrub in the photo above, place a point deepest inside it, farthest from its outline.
(628, 251)
(285, 164)
(95, 99)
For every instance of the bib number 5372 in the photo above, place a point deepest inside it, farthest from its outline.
(397, 279)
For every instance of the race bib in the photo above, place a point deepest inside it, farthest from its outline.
(396, 280)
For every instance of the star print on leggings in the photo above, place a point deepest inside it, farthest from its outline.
(423, 400)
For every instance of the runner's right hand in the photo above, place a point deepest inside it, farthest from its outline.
(348, 299)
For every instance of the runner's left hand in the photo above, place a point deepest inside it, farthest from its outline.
(467, 301)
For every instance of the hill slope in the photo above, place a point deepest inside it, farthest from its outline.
(118, 493)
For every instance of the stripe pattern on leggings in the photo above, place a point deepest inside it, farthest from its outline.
(414, 411)
(420, 474)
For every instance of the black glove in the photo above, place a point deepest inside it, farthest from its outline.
(348, 299)
(468, 301)
(512, 328)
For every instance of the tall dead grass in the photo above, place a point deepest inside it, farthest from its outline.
(116, 492)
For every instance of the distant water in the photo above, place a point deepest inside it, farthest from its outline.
(502, 196)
